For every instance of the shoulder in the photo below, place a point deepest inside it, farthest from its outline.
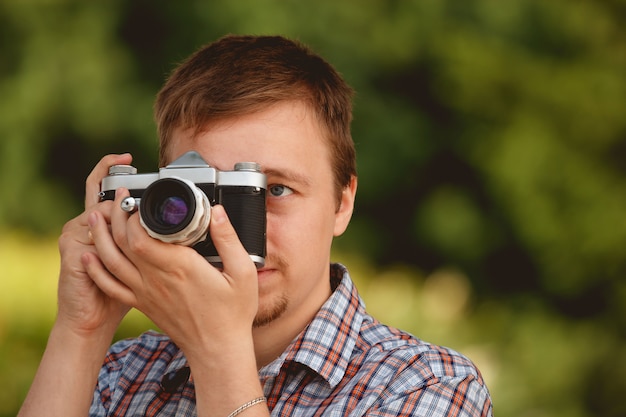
(385, 351)
(411, 354)
(418, 375)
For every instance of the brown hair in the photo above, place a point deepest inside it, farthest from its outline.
(239, 75)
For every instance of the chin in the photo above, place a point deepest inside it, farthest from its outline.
(268, 314)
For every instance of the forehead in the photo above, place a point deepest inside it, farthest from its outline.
(287, 134)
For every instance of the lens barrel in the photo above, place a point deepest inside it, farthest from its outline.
(174, 210)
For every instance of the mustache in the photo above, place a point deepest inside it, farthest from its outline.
(275, 261)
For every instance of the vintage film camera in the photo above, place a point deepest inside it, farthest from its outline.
(175, 203)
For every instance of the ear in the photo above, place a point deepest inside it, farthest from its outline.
(346, 207)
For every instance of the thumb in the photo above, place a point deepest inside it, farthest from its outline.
(235, 259)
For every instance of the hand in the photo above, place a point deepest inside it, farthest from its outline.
(204, 310)
(83, 307)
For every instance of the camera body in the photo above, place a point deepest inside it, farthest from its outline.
(175, 203)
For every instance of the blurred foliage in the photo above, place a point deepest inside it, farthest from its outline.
(27, 310)
(491, 142)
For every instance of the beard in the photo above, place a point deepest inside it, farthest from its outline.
(279, 305)
(273, 312)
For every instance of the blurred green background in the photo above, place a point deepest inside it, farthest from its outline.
(491, 137)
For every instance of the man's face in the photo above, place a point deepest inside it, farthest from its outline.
(302, 216)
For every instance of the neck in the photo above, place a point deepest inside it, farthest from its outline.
(271, 340)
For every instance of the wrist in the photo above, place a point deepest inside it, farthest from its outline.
(77, 340)
(227, 378)
(67, 374)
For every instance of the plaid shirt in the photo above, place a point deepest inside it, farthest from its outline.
(345, 363)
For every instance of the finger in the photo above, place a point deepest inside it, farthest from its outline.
(101, 170)
(107, 283)
(133, 242)
(77, 229)
(119, 219)
(235, 259)
(126, 230)
(113, 259)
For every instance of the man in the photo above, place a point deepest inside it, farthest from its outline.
(291, 338)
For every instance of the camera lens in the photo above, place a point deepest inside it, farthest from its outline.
(174, 210)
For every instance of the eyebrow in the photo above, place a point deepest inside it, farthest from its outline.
(288, 175)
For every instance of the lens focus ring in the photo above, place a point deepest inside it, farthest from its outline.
(174, 210)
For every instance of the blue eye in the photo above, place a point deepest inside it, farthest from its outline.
(280, 190)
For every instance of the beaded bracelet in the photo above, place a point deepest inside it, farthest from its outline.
(247, 405)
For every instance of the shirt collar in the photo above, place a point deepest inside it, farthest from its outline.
(326, 344)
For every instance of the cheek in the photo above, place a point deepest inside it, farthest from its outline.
(282, 232)
(303, 231)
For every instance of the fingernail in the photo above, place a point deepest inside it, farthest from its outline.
(92, 219)
(218, 215)
(119, 191)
